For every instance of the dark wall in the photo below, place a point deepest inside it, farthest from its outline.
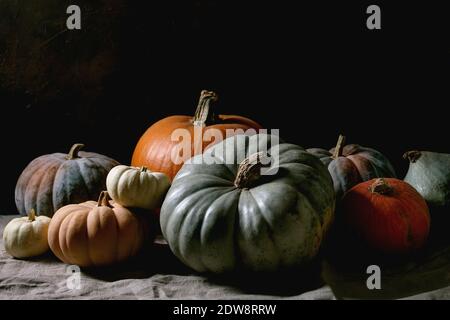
(311, 70)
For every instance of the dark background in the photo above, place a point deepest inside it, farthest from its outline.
(310, 68)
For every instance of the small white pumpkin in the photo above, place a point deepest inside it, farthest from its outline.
(137, 187)
(26, 236)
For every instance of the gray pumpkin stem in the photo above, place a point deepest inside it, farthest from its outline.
(73, 153)
(412, 156)
(339, 147)
(103, 200)
(249, 170)
(381, 186)
(202, 114)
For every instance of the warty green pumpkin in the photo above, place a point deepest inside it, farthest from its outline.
(221, 215)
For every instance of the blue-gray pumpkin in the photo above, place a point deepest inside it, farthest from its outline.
(221, 215)
(352, 164)
(52, 181)
(429, 174)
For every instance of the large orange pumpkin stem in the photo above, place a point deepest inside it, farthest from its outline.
(250, 170)
(73, 153)
(381, 186)
(339, 147)
(103, 200)
(412, 156)
(202, 114)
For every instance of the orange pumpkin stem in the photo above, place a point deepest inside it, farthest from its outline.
(412, 156)
(32, 215)
(73, 153)
(381, 186)
(249, 170)
(202, 114)
(103, 200)
(339, 147)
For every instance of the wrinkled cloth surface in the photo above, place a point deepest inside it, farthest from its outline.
(155, 275)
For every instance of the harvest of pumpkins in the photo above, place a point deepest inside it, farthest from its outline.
(249, 202)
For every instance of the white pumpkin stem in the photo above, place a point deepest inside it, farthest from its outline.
(202, 114)
(339, 147)
(143, 169)
(381, 186)
(249, 170)
(103, 200)
(73, 153)
(32, 215)
(412, 156)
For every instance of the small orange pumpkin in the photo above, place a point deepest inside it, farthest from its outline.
(389, 214)
(154, 149)
(95, 233)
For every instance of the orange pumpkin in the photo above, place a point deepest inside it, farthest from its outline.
(156, 148)
(389, 214)
(95, 233)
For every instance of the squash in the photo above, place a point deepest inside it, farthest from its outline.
(95, 233)
(156, 147)
(221, 214)
(137, 187)
(388, 214)
(52, 181)
(429, 174)
(353, 164)
(26, 237)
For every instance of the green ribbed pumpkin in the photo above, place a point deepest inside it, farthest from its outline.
(352, 164)
(52, 181)
(227, 217)
(429, 174)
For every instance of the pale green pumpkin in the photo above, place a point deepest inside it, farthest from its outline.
(228, 217)
(429, 174)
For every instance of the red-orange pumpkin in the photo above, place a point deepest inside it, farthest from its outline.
(156, 147)
(389, 214)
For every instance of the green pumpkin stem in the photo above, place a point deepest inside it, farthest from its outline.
(202, 114)
(103, 200)
(339, 147)
(73, 153)
(143, 169)
(381, 186)
(32, 215)
(249, 170)
(412, 156)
